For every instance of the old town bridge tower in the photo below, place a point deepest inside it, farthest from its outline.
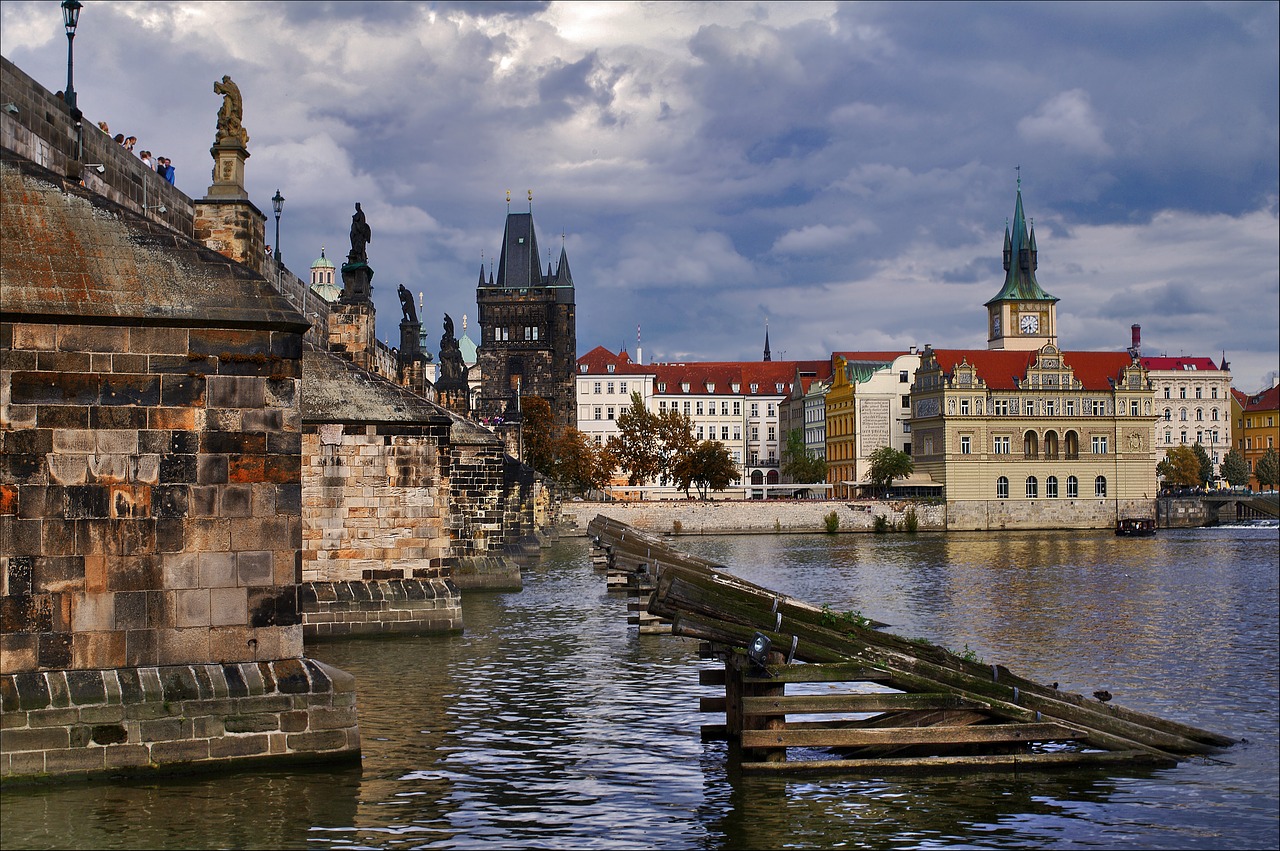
(528, 344)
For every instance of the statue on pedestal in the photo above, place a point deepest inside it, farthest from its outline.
(361, 236)
(453, 372)
(229, 127)
(406, 305)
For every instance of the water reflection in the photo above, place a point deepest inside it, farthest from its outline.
(550, 724)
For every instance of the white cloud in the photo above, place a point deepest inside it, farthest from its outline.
(1066, 119)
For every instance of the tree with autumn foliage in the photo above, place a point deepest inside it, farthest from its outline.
(580, 465)
(1180, 468)
(708, 467)
(648, 445)
(537, 431)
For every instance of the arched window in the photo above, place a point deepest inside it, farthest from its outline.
(1030, 445)
(1002, 488)
(1051, 487)
(1051, 445)
(773, 477)
(1199, 415)
(1168, 415)
(1182, 415)
(1033, 487)
(1100, 486)
(1072, 445)
(1213, 414)
(757, 477)
(1073, 487)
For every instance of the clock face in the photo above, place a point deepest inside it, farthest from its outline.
(1029, 323)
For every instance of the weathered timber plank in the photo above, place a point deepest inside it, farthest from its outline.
(908, 674)
(711, 677)
(689, 592)
(845, 737)
(836, 672)
(980, 762)
(800, 704)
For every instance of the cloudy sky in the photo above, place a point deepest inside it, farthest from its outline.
(840, 171)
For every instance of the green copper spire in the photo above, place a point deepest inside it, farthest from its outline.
(1020, 261)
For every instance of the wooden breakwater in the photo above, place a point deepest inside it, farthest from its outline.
(887, 703)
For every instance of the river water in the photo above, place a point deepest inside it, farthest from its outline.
(552, 724)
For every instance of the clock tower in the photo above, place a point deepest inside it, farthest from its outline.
(1022, 316)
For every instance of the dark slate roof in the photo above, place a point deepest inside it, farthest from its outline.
(334, 390)
(65, 251)
(518, 266)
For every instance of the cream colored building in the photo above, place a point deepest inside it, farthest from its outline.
(1026, 435)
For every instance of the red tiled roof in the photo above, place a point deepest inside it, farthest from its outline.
(1194, 364)
(999, 368)
(1267, 400)
(766, 375)
(598, 360)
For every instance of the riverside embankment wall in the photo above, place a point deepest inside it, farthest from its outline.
(738, 517)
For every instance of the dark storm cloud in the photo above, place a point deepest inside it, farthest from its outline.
(844, 171)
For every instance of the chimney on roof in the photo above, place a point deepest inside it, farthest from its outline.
(1135, 340)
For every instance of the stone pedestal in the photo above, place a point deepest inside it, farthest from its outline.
(228, 170)
(357, 284)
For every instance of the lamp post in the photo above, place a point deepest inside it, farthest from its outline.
(70, 18)
(277, 204)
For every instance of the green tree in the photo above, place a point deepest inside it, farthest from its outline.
(674, 432)
(1180, 468)
(708, 467)
(537, 431)
(1235, 469)
(799, 463)
(648, 445)
(888, 464)
(579, 464)
(1206, 465)
(1267, 470)
(635, 447)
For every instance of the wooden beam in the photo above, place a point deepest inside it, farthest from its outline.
(935, 764)
(801, 704)
(852, 738)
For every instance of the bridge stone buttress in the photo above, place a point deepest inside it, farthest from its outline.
(150, 532)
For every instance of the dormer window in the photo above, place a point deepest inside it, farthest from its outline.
(582, 367)
(662, 387)
(711, 387)
(737, 388)
(755, 388)
(684, 386)
(609, 367)
(778, 387)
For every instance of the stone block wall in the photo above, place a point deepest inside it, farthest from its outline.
(478, 515)
(178, 717)
(984, 514)
(375, 504)
(150, 496)
(377, 556)
(380, 607)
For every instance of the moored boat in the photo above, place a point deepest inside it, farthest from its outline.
(1135, 526)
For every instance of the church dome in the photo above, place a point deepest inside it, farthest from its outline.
(322, 283)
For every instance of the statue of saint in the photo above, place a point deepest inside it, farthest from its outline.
(406, 305)
(452, 369)
(361, 236)
(229, 116)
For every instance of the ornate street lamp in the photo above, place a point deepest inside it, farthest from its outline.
(70, 18)
(277, 204)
